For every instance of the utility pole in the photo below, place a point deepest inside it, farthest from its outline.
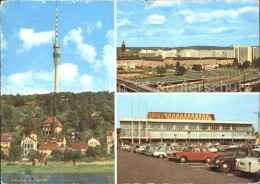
(139, 128)
(258, 118)
(132, 124)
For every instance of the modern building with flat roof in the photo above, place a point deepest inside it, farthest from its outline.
(183, 128)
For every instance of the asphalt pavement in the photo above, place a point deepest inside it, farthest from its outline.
(134, 168)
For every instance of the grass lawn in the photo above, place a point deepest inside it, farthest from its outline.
(56, 169)
(195, 75)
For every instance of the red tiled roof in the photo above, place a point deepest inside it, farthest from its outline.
(49, 121)
(5, 139)
(109, 133)
(33, 133)
(31, 103)
(49, 146)
(6, 134)
(79, 145)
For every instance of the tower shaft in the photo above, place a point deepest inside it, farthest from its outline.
(56, 55)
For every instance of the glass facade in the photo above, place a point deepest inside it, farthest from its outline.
(185, 130)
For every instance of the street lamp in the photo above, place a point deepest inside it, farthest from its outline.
(223, 138)
(258, 117)
(203, 83)
(189, 135)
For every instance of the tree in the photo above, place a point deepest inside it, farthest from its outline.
(256, 63)
(197, 67)
(94, 152)
(180, 70)
(57, 155)
(245, 65)
(235, 63)
(68, 155)
(77, 155)
(15, 150)
(160, 70)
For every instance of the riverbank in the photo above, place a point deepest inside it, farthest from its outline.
(29, 169)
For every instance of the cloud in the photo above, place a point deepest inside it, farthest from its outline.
(86, 82)
(22, 83)
(91, 27)
(123, 22)
(170, 4)
(223, 29)
(229, 15)
(31, 39)
(68, 72)
(155, 19)
(249, 9)
(98, 24)
(3, 42)
(85, 51)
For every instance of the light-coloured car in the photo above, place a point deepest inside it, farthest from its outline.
(250, 164)
(162, 152)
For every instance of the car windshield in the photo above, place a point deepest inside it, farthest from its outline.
(254, 154)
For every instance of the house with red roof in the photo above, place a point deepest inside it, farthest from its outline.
(32, 104)
(6, 142)
(61, 141)
(47, 148)
(46, 126)
(110, 141)
(83, 147)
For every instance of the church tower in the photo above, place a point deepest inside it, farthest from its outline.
(123, 47)
(56, 55)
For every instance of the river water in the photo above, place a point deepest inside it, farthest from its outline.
(89, 178)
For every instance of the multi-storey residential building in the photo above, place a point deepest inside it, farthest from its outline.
(110, 141)
(46, 126)
(6, 142)
(246, 53)
(29, 143)
(184, 127)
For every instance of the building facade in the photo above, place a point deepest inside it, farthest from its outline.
(110, 141)
(29, 143)
(46, 126)
(6, 139)
(93, 142)
(183, 128)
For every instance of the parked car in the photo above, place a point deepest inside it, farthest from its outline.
(162, 152)
(227, 161)
(251, 163)
(150, 149)
(170, 155)
(212, 149)
(197, 153)
(140, 149)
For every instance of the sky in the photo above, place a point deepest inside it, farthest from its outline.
(188, 23)
(86, 38)
(226, 107)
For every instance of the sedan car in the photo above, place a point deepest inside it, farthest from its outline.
(162, 152)
(251, 163)
(227, 161)
(196, 153)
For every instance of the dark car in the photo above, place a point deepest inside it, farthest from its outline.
(227, 161)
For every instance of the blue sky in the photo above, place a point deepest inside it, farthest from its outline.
(229, 107)
(86, 38)
(188, 23)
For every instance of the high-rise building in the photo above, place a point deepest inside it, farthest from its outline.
(56, 55)
(243, 53)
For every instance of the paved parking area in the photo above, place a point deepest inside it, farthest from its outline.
(134, 168)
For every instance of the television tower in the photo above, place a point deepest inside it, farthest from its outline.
(56, 55)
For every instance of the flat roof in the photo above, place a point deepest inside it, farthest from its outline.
(186, 121)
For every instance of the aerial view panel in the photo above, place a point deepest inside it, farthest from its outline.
(188, 46)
